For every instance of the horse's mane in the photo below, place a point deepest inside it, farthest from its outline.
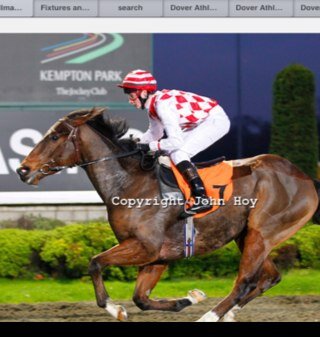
(110, 128)
(113, 129)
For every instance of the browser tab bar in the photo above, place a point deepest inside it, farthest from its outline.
(12, 8)
(159, 8)
(67, 8)
(195, 8)
(261, 8)
(131, 8)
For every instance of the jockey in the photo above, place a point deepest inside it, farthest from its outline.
(191, 122)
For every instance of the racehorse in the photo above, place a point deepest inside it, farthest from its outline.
(152, 236)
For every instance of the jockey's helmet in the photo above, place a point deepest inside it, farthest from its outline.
(139, 80)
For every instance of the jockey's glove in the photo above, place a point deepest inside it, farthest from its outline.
(143, 147)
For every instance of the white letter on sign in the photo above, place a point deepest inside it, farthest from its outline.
(19, 148)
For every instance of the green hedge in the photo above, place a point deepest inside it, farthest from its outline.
(19, 251)
(300, 251)
(66, 252)
(294, 132)
(62, 252)
(69, 249)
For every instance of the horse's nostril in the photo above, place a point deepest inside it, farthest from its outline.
(23, 171)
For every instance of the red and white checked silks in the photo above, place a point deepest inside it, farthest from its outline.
(192, 123)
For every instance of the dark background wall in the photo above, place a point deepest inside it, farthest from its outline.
(238, 70)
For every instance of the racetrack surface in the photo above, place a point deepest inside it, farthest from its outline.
(263, 309)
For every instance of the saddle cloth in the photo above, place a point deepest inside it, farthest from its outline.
(217, 180)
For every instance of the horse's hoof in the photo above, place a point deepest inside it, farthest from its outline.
(209, 317)
(231, 314)
(122, 314)
(196, 296)
(228, 319)
(117, 311)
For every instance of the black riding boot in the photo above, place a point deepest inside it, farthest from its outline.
(202, 201)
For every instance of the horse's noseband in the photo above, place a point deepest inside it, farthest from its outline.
(45, 169)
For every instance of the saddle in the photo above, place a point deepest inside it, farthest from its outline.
(216, 175)
(167, 176)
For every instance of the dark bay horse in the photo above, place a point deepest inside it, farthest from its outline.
(151, 236)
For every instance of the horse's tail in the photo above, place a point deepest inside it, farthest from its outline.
(316, 215)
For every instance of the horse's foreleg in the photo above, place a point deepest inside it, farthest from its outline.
(253, 256)
(129, 252)
(147, 279)
(268, 277)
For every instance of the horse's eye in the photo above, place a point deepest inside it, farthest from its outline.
(54, 137)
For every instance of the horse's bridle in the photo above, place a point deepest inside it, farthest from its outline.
(73, 137)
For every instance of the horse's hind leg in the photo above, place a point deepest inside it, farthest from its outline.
(254, 254)
(267, 278)
(256, 250)
(147, 279)
(271, 223)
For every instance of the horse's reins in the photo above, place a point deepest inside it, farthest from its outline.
(47, 168)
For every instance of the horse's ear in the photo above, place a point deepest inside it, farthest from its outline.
(94, 112)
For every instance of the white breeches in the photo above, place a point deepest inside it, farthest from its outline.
(200, 138)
